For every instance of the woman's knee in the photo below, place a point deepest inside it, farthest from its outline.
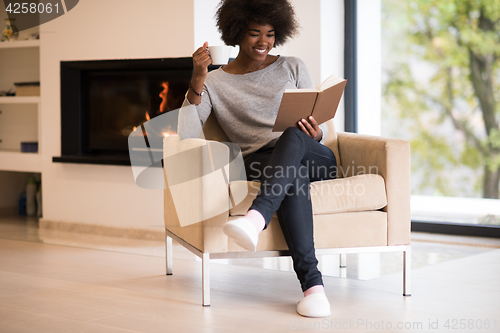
(292, 135)
(293, 131)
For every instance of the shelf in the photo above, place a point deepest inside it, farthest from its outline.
(19, 99)
(20, 43)
(20, 119)
(17, 161)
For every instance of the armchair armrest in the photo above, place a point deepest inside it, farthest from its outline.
(390, 158)
(196, 193)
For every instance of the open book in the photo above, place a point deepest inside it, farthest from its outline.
(298, 104)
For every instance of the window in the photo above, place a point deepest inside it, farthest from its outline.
(441, 92)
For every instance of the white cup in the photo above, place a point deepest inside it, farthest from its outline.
(219, 54)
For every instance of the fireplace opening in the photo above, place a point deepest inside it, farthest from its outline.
(117, 103)
(102, 102)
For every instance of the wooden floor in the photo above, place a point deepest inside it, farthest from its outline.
(60, 288)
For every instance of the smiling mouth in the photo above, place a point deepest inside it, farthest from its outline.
(261, 51)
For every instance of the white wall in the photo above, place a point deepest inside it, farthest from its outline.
(369, 66)
(205, 29)
(332, 47)
(111, 29)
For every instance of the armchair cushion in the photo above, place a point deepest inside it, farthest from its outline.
(352, 194)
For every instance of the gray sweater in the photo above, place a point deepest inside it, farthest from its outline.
(246, 105)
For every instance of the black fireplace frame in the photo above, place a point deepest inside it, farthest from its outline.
(72, 103)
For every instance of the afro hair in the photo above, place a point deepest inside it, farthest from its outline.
(233, 17)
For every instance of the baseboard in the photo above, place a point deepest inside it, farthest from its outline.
(462, 229)
(94, 229)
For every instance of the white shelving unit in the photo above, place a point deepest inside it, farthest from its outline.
(22, 162)
(20, 43)
(20, 100)
(27, 121)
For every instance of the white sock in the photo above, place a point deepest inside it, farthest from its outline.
(314, 289)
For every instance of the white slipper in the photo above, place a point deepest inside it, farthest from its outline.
(242, 232)
(314, 305)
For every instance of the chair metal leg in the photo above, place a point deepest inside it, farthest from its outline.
(343, 260)
(407, 272)
(168, 254)
(205, 262)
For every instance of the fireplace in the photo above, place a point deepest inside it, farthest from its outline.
(102, 102)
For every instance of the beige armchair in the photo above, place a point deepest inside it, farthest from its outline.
(366, 209)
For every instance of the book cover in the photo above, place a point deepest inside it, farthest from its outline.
(298, 104)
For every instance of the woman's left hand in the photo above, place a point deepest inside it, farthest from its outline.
(311, 128)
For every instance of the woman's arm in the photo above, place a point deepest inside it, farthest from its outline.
(201, 60)
(197, 106)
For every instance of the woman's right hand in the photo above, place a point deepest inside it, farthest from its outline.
(201, 60)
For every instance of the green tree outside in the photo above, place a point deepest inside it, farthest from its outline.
(441, 69)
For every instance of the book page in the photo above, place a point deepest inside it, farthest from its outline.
(330, 82)
(291, 91)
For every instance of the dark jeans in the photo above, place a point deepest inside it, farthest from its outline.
(285, 172)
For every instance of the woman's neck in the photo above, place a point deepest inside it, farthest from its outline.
(242, 64)
(250, 66)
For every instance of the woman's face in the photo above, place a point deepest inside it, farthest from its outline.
(258, 41)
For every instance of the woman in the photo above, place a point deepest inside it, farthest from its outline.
(245, 96)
